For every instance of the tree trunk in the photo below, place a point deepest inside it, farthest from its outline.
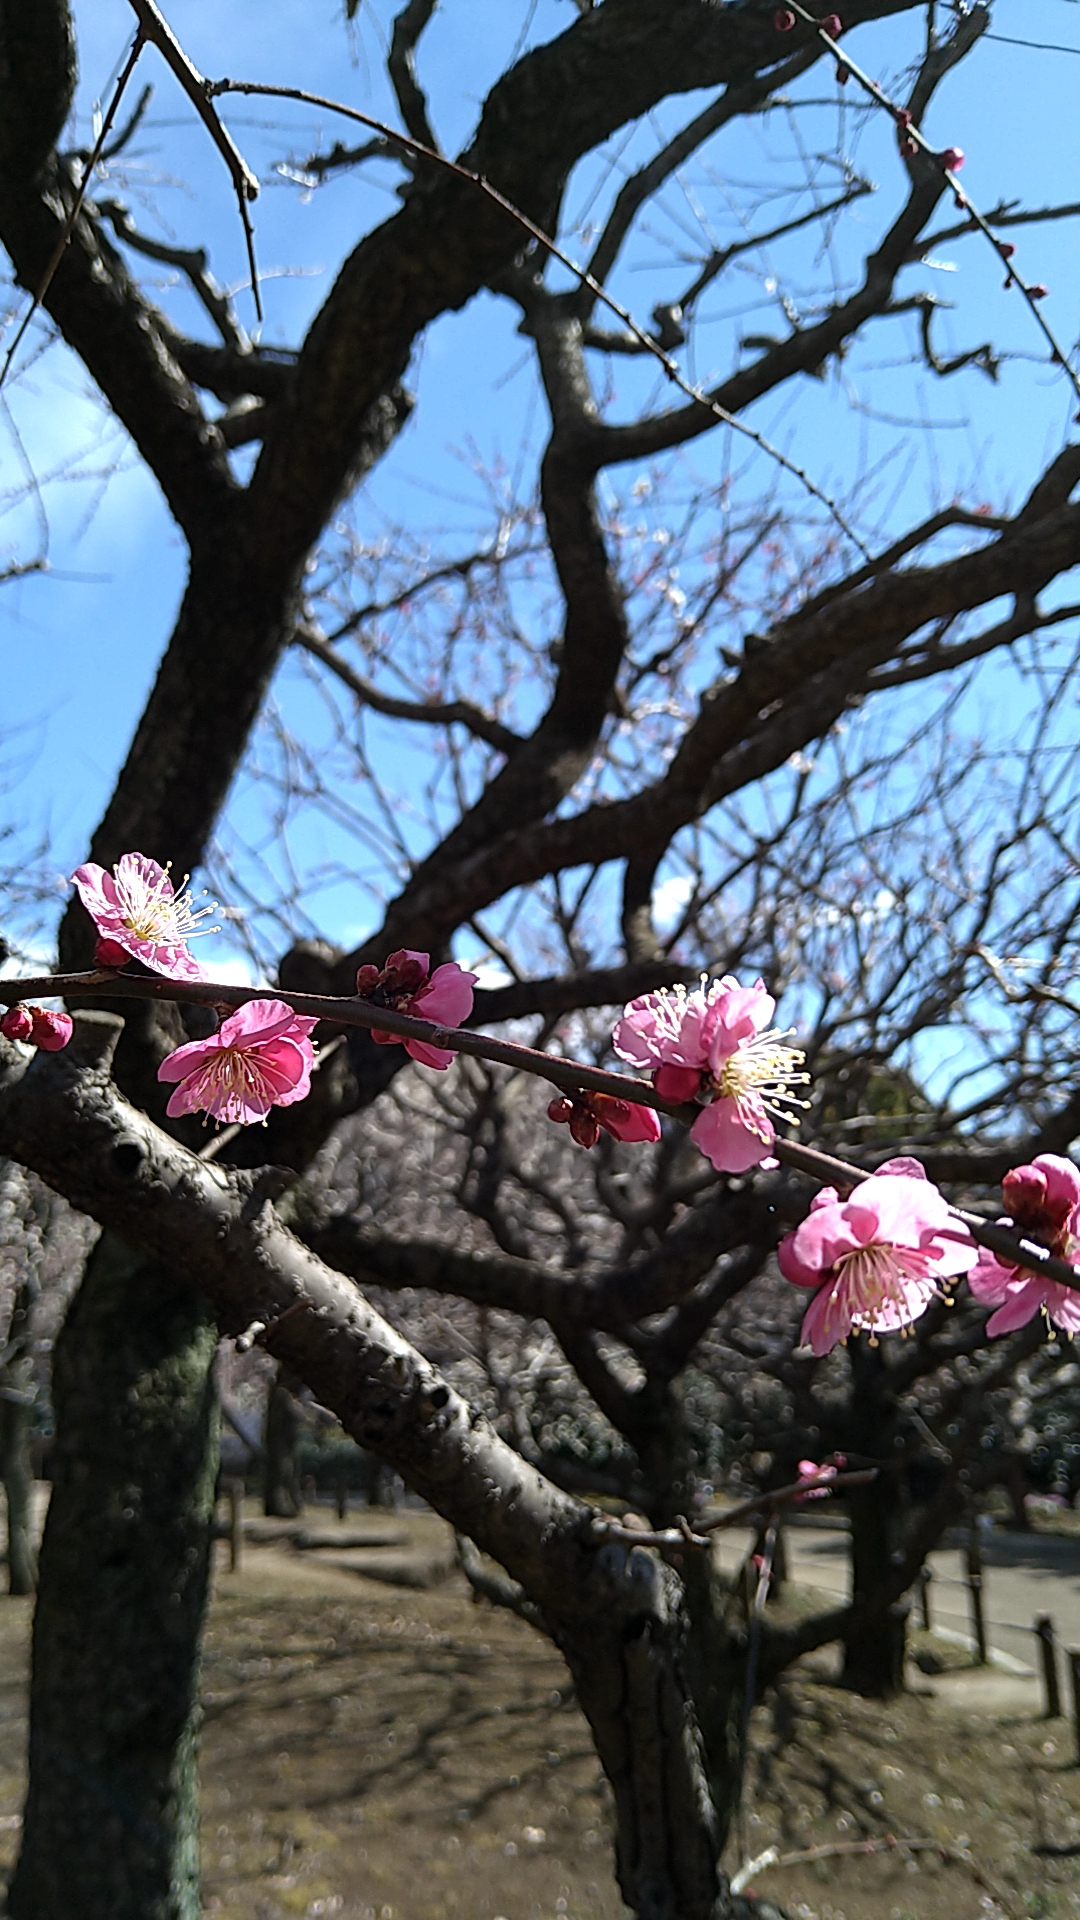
(111, 1822)
(281, 1490)
(16, 1465)
(15, 1409)
(875, 1643)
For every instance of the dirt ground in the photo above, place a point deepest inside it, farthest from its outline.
(377, 1752)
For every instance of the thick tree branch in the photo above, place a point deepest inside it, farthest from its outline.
(98, 308)
(736, 100)
(408, 27)
(792, 686)
(437, 713)
(614, 1609)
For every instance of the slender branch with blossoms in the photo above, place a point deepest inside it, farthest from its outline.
(877, 1246)
(814, 1483)
(828, 29)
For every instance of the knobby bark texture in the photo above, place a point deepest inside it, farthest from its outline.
(616, 1611)
(111, 1825)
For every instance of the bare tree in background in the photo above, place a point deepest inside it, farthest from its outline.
(603, 724)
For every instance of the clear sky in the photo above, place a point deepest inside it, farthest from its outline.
(80, 644)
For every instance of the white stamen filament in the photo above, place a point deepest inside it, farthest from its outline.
(872, 1278)
(231, 1081)
(152, 914)
(762, 1073)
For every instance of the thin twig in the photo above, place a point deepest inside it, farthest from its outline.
(892, 1843)
(68, 228)
(683, 1534)
(963, 199)
(155, 27)
(420, 151)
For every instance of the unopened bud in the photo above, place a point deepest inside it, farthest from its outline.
(1006, 249)
(783, 20)
(909, 147)
(366, 978)
(843, 74)
(1038, 291)
(832, 25)
(109, 953)
(17, 1024)
(953, 158)
(50, 1031)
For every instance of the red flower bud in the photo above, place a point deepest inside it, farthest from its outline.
(1038, 291)
(832, 25)
(50, 1031)
(909, 147)
(843, 74)
(17, 1024)
(1006, 249)
(953, 158)
(109, 953)
(902, 117)
(783, 20)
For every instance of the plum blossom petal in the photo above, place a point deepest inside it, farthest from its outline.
(139, 913)
(1044, 1202)
(407, 985)
(714, 1045)
(260, 1057)
(51, 1030)
(586, 1112)
(810, 1470)
(877, 1259)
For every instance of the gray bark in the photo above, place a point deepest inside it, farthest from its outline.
(111, 1821)
(16, 1466)
(616, 1611)
(18, 1484)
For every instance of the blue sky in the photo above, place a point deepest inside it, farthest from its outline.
(80, 645)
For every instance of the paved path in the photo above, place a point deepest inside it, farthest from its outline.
(1024, 1575)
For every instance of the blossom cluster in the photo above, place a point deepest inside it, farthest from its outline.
(872, 1258)
(38, 1027)
(715, 1048)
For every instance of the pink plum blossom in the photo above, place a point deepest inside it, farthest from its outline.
(38, 1026)
(407, 985)
(139, 915)
(586, 1112)
(1043, 1199)
(51, 1031)
(876, 1259)
(17, 1023)
(810, 1470)
(260, 1057)
(715, 1046)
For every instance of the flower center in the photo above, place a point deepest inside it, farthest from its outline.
(876, 1275)
(234, 1077)
(163, 917)
(761, 1075)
